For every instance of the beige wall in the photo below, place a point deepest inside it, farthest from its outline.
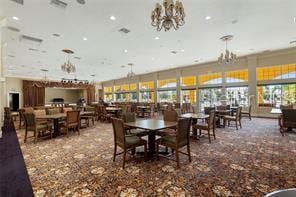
(69, 95)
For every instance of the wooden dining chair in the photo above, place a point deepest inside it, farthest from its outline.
(208, 126)
(170, 116)
(131, 117)
(177, 140)
(236, 118)
(125, 141)
(72, 123)
(39, 130)
(247, 112)
(21, 117)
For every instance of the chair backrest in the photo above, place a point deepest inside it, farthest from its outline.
(211, 121)
(170, 116)
(28, 109)
(52, 111)
(183, 130)
(73, 117)
(221, 107)
(289, 119)
(39, 112)
(30, 120)
(118, 131)
(286, 106)
(238, 113)
(7, 113)
(207, 110)
(129, 117)
(89, 109)
(66, 109)
(21, 113)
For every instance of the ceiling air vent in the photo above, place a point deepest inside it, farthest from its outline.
(13, 29)
(19, 1)
(124, 30)
(59, 4)
(30, 40)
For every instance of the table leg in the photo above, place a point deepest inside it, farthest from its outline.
(151, 142)
(194, 131)
(56, 127)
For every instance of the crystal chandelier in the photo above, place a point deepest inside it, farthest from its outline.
(45, 79)
(68, 66)
(228, 57)
(173, 15)
(130, 74)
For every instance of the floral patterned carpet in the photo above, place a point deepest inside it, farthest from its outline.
(252, 161)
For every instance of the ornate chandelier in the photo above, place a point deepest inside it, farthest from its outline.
(68, 66)
(228, 57)
(131, 73)
(173, 15)
(74, 81)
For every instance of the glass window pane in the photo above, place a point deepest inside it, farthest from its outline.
(167, 96)
(209, 97)
(188, 96)
(133, 86)
(237, 76)
(147, 85)
(237, 96)
(188, 81)
(108, 89)
(108, 97)
(215, 78)
(147, 97)
(167, 83)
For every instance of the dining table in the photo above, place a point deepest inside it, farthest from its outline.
(56, 118)
(114, 110)
(152, 126)
(195, 117)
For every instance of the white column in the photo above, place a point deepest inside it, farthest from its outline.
(155, 78)
(2, 76)
(252, 64)
(178, 86)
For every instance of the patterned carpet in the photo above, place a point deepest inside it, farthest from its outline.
(252, 161)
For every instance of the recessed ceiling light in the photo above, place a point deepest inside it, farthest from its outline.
(153, 59)
(125, 50)
(208, 17)
(15, 18)
(156, 38)
(295, 19)
(113, 18)
(182, 50)
(84, 38)
(237, 50)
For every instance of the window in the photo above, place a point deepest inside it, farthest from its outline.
(117, 88)
(188, 96)
(209, 97)
(208, 79)
(147, 85)
(147, 97)
(237, 76)
(276, 95)
(276, 72)
(188, 81)
(108, 89)
(125, 87)
(133, 97)
(167, 83)
(133, 87)
(169, 96)
(237, 95)
(122, 97)
(108, 97)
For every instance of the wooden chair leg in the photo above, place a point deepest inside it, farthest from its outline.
(177, 158)
(240, 123)
(124, 155)
(209, 135)
(35, 137)
(189, 153)
(157, 149)
(78, 130)
(214, 133)
(145, 152)
(236, 125)
(26, 133)
(115, 150)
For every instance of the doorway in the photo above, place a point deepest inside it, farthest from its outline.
(14, 101)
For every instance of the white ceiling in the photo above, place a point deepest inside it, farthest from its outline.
(261, 25)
